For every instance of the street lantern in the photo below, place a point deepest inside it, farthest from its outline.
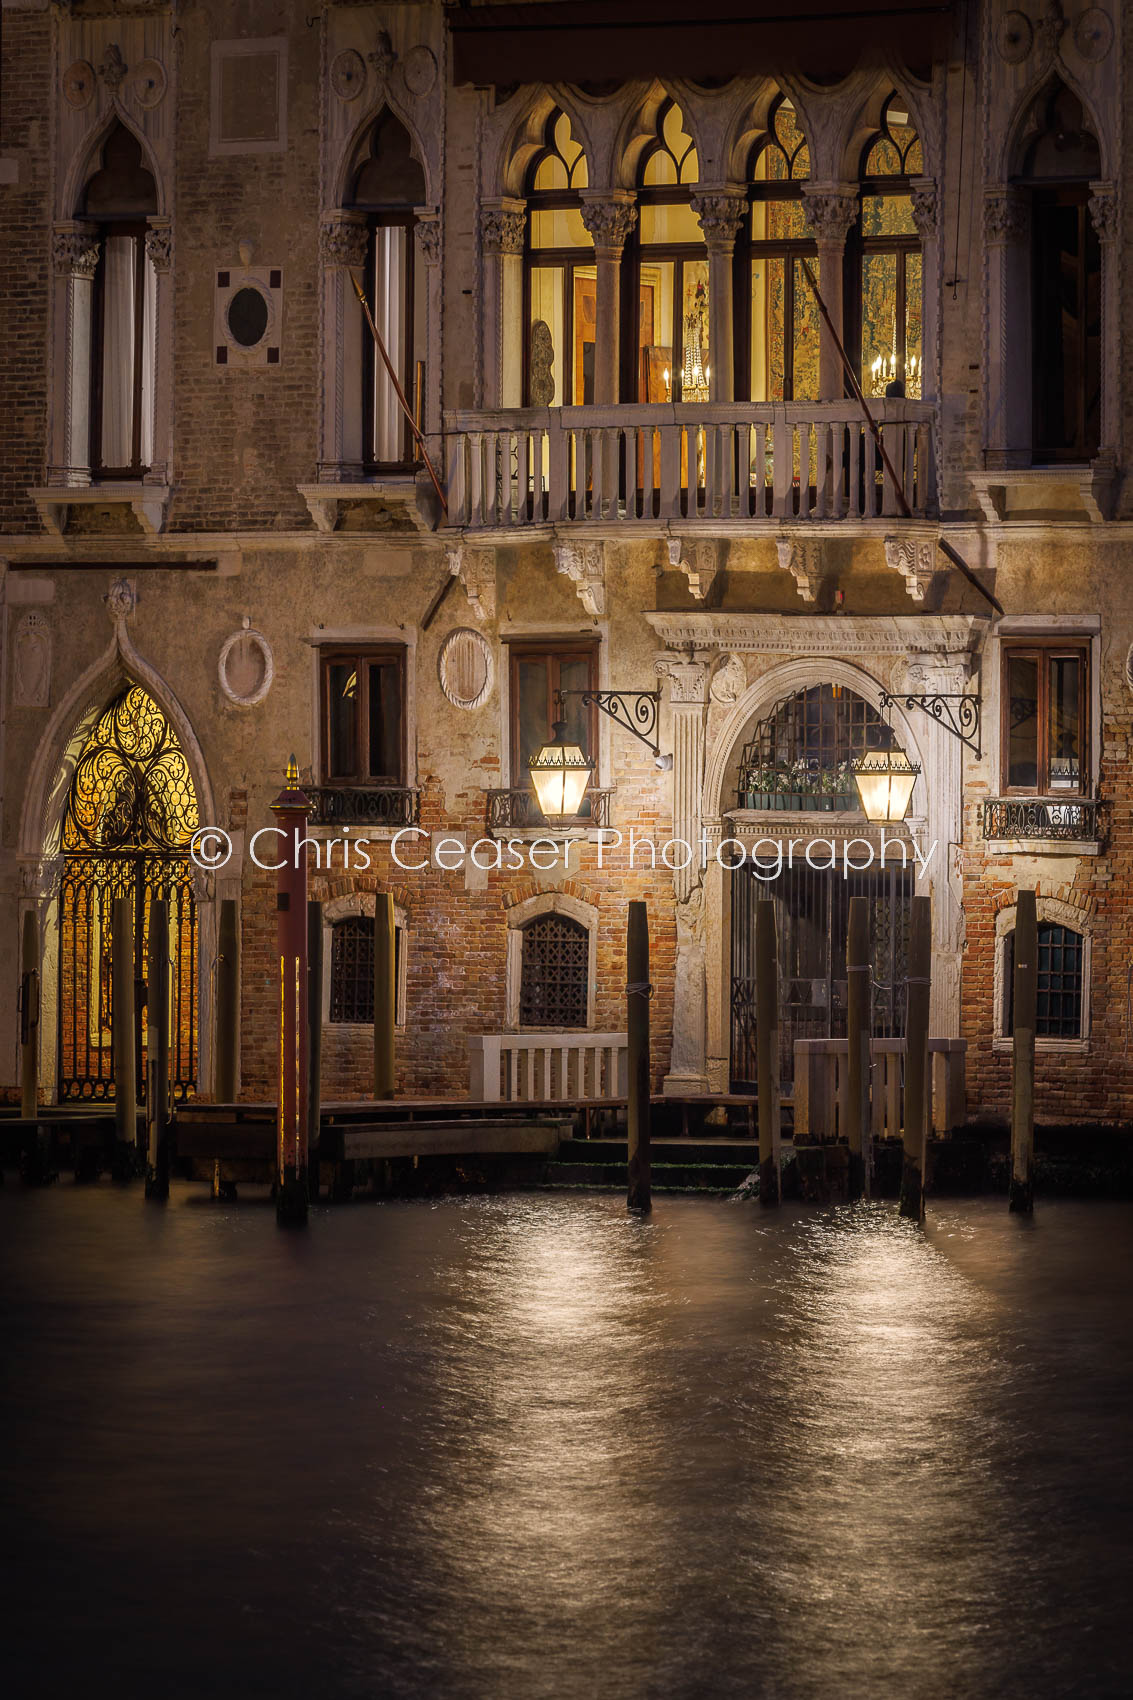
(885, 780)
(560, 774)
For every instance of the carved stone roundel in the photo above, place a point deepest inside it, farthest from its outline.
(1015, 38)
(419, 70)
(1093, 33)
(348, 74)
(148, 83)
(78, 83)
(465, 668)
(246, 667)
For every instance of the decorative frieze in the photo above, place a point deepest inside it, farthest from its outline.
(698, 559)
(585, 565)
(609, 219)
(817, 634)
(802, 558)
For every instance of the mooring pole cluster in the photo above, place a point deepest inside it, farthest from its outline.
(291, 809)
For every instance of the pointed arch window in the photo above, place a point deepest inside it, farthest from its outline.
(671, 353)
(782, 327)
(118, 200)
(388, 185)
(560, 277)
(890, 302)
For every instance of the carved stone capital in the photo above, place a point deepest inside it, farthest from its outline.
(159, 246)
(830, 209)
(721, 213)
(502, 224)
(802, 558)
(585, 565)
(925, 207)
(688, 678)
(1103, 210)
(75, 250)
(476, 570)
(121, 600)
(915, 559)
(428, 234)
(1005, 216)
(609, 219)
(343, 240)
(698, 559)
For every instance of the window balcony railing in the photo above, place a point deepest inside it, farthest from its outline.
(518, 811)
(1026, 817)
(373, 805)
(700, 465)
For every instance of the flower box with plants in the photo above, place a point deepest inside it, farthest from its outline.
(796, 786)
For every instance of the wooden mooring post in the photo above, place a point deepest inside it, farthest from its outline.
(157, 1052)
(767, 1052)
(125, 1163)
(385, 995)
(314, 1041)
(1021, 1195)
(918, 1093)
(639, 1194)
(36, 1165)
(227, 1002)
(291, 809)
(859, 1130)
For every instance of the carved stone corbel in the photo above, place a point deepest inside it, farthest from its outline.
(915, 559)
(698, 559)
(585, 565)
(476, 570)
(801, 557)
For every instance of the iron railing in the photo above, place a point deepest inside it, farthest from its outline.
(1027, 817)
(517, 810)
(376, 805)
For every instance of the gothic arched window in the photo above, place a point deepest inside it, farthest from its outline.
(782, 322)
(672, 358)
(388, 185)
(891, 300)
(560, 279)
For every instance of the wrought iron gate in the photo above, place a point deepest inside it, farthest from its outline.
(811, 913)
(130, 815)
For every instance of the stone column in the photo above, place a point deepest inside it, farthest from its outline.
(343, 242)
(502, 330)
(1103, 212)
(428, 237)
(1008, 365)
(75, 251)
(927, 220)
(831, 209)
(721, 213)
(609, 217)
(159, 252)
(688, 699)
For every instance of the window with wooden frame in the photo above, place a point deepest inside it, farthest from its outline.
(363, 716)
(118, 198)
(670, 352)
(889, 302)
(777, 341)
(1044, 737)
(352, 972)
(560, 277)
(389, 185)
(538, 670)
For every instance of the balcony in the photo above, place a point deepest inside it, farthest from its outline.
(518, 811)
(1040, 822)
(716, 466)
(376, 805)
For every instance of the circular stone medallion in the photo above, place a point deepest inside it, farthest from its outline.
(1015, 38)
(148, 83)
(246, 667)
(465, 668)
(348, 74)
(1093, 33)
(420, 70)
(78, 83)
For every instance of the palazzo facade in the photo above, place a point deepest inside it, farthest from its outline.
(590, 255)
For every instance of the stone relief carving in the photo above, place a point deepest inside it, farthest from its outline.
(688, 678)
(802, 558)
(384, 55)
(121, 600)
(348, 74)
(1014, 38)
(159, 247)
(342, 242)
(923, 191)
(31, 682)
(246, 666)
(464, 668)
(75, 252)
(609, 222)
(419, 70)
(585, 565)
(501, 229)
(699, 560)
(1103, 210)
(729, 681)
(1005, 216)
(1093, 33)
(148, 83)
(78, 84)
(1050, 28)
(476, 570)
(915, 560)
(720, 216)
(113, 68)
(830, 211)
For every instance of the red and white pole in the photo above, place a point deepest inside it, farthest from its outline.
(291, 809)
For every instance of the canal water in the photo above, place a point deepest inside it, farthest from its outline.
(508, 1448)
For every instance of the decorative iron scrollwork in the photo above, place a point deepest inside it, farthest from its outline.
(380, 805)
(131, 788)
(634, 711)
(518, 810)
(957, 711)
(1025, 817)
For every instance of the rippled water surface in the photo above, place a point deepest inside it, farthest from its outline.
(522, 1447)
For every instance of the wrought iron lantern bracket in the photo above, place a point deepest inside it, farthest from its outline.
(634, 711)
(957, 711)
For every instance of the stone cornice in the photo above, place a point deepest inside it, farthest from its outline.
(816, 634)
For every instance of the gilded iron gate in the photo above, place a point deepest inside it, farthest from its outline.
(811, 913)
(131, 813)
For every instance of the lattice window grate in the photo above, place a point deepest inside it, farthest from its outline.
(553, 983)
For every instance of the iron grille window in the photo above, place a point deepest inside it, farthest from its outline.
(1058, 1012)
(352, 971)
(553, 983)
(808, 735)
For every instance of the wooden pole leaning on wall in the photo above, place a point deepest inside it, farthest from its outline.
(859, 1131)
(314, 1041)
(385, 995)
(639, 1170)
(917, 1117)
(125, 1163)
(1021, 1195)
(157, 1053)
(227, 1002)
(767, 1052)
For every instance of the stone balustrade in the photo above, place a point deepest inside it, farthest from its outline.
(548, 1068)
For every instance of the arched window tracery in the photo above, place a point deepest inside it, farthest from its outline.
(560, 274)
(782, 327)
(891, 294)
(671, 353)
